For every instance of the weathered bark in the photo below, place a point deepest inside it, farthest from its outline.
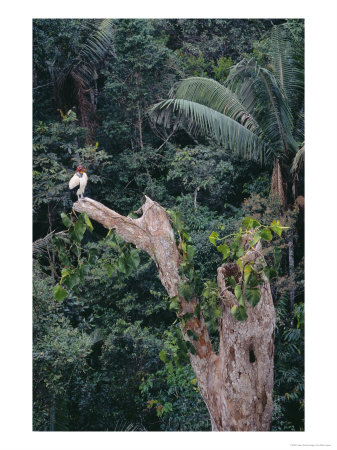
(195, 198)
(246, 358)
(237, 390)
(152, 232)
(276, 188)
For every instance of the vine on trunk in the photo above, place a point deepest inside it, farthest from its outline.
(244, 276)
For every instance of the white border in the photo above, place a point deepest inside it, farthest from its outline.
(320, 225)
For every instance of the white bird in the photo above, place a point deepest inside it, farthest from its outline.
(78, 183)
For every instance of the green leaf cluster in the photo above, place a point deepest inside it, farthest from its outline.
(190, 285)
(236, 246)
(127, 260)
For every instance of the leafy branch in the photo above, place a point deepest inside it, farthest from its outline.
(77, 265)
(247, 276)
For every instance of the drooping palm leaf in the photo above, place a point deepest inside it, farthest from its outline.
(98, 43)
(259, 91)
(298, 161)
(299, 126)
(41, 245)
(198, 118)
(92, 51)
(210, 93)
(254, 97)
(288, 66)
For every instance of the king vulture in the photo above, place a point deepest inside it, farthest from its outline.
(78, 183)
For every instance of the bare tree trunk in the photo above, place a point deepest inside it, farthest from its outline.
(151, 182)
(195, 198)
(139, 116)
(277, 191)
(291, 274)
(276, 188)
(139, 125)
(237, 383)
(51, 255)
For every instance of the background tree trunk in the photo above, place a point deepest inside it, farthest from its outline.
(52, 413)
(276, 187)
(237, 383)
(291, 274)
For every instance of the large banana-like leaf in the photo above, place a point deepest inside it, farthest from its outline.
(199, 118)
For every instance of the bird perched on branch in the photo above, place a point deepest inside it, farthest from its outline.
(78, 183)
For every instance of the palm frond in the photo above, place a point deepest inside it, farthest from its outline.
(253, 97)
(298, 161)
(299, 126)
(288, 66)
(41, 245)
(98, 43)
(79, 76)
(198, 118)
(259, 91)
(94, 49)
(210, 93)
(125, 426)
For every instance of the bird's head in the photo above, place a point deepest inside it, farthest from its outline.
(80, 169)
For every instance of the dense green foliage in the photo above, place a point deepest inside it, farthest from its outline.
(108, 353)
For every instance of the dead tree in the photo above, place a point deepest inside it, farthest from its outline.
(236, 383)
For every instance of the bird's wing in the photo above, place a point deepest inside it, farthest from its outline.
(74, 181)
(83, 183)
